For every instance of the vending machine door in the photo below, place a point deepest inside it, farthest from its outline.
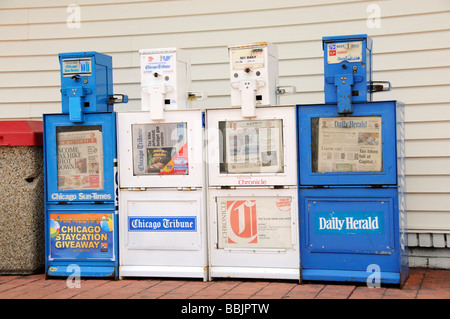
(163, 233)
(163, 154)
(254, 233)
(84, 235)
(252, 152)
(80, 158)
(346, 232)
(356, 149)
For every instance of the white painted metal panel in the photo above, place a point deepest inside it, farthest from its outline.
(288, 176)
(279, 261)
(160, 250)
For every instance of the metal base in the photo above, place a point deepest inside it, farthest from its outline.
(82, 271)
(255, 273)
(164, 271)
(352, 276)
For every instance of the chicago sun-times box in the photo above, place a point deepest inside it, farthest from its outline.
(80, 171)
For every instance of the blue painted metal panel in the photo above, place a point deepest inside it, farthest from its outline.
(344, 230)
(308, 116)
(350, 276)
(85, 235)
(64, 270)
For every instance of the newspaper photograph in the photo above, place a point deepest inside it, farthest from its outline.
(160, 149)
(350, 144)
(254, 222)
(253, 146)
(80, 159)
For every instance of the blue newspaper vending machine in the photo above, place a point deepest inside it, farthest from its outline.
(80, 171)
(352, 174)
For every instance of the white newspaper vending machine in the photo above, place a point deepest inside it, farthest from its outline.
(161, 176)
(252, 183)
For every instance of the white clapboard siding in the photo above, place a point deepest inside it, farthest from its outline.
(411, 50)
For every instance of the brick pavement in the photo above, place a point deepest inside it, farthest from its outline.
(421, 284)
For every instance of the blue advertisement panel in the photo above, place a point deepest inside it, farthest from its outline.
(81, 236)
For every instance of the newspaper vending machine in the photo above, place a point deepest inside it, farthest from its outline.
(161, 174)
(252, 173)
(352, 174)
(80, 159)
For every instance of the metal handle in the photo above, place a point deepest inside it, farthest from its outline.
(118, 98)
(378, 86)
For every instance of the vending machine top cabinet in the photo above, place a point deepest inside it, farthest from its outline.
(86, 83)
(165, 80)
(253, 76)
(347, 70)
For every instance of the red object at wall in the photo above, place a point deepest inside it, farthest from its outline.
(21, 133)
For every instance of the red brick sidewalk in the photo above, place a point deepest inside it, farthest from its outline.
(422, 284)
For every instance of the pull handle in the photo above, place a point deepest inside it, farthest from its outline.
(379, 86)
(118, 98)
(196, 96)
(282, 89)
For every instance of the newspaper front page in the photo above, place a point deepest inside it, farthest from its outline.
(160, 149)
(350, 144)
(254, 222)
(253, 146)
(80, 159)
(247, 57)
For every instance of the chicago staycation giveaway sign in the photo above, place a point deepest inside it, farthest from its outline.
(81, 235)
